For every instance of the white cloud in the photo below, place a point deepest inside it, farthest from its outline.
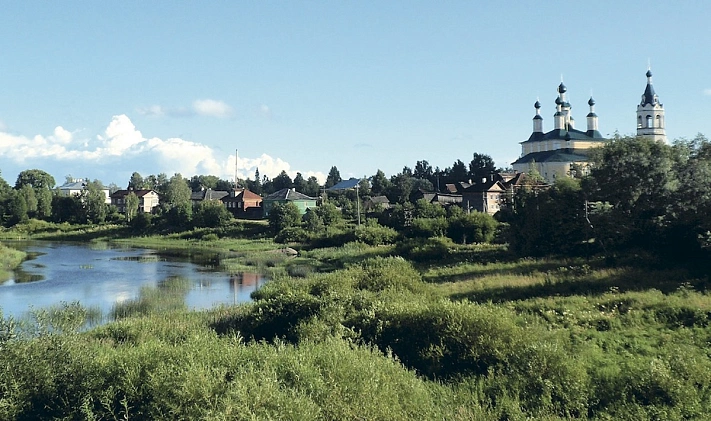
(213, 108)
(707, 91)
(122, 149)
(62, 135)
(153, 110)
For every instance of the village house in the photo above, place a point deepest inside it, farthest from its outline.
(287, 195)
(76, 187)
(243, 203)
(147, 200)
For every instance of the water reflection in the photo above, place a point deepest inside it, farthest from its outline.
(104, 277)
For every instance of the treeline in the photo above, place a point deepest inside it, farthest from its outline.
(639, 195)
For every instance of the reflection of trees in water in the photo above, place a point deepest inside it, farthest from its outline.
(168, 295)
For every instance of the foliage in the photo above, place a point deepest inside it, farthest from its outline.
(284, 215)
(210, 213)
(474, 227)
(375, 234)
(37, 179)
(333, 178)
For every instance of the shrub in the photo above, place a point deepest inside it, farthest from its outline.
(292, 235)
(475, 227)
(375, 235)
(424, 250)
(428, 227)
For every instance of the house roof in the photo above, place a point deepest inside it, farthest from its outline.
(562, 134)
(558, 155)
(488, 186)
(345, 184)
(287, 194)
(208, 194)
(74, 185)
(380, 199)
(241, 195)
(124, 193)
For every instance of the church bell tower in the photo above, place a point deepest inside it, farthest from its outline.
(650, 114)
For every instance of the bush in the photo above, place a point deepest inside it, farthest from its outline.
(428, 227)
(475, 227)
(375, 235)
(292, 235)
(424, 250)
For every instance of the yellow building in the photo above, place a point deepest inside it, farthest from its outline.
(565, 149)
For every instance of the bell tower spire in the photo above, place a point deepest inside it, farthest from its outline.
(650, 114)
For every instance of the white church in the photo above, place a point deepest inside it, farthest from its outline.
(564, 149)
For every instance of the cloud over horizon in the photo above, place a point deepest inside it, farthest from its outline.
(122, 149)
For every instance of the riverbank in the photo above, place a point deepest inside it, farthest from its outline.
(366, 332)
(10, 259)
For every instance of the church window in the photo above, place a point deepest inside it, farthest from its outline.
(658, 124)
(649, 121)
(639, 122)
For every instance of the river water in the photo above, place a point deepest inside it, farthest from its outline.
(100, 276)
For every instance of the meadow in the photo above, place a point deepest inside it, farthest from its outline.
(381, 333)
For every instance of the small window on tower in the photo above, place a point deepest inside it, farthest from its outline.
(639, 122)
(649, 121)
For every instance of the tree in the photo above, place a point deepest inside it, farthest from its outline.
(423, 170)
(638, 178)
(379, 184)
(312, 187)
(282, 181)
(284, 215)
(458, 172)
(211, 214)
(177, 192)
(329, 214)
(481, 167)
(475, 227)
(136, 182)
(30, 199)
(333, 178)
(131, 206)
(300, 183)
(17, 208)
(36, 179)
(94, 202)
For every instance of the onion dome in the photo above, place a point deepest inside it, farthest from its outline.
(649, 73)
(558, 101)
(591, 101)
(561, 88)
(537, 105)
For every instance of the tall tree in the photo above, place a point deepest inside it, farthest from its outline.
(379, 184)
(136, 182)
(282, 181)
(481, 167)
(94, 202)
(131, 206)
(177, 191)
(300, 183)
(36, 179)
(313, 188)
(333, 178)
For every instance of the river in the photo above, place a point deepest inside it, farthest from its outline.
(101, 276)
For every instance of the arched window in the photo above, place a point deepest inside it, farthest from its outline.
(639, 122)
(649, 121)
(658, 124)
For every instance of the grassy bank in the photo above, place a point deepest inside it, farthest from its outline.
(420, 330)
(9, 260)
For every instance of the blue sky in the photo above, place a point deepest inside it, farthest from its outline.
(102, 89)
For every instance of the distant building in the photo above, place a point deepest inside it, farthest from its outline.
(147, 200)
(553, 154)
(565, 149)
(207, 194)
(650, 114)
(243, 203)
(301, 201)
(76, 187)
